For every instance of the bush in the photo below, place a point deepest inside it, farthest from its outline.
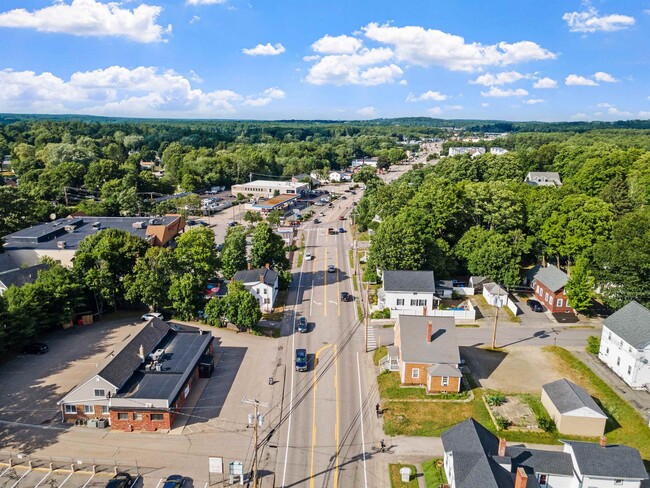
(593, 344)
(495, 399)
(502, 422)
(381, 314)
(545, 423)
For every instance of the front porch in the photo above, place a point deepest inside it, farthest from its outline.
(390, 362)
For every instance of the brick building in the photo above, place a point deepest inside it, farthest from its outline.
(144, 385)
(428, 353)
(548, 285)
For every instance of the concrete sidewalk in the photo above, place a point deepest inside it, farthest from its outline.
(639, 399)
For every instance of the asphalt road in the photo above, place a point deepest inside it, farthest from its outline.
(328, 413)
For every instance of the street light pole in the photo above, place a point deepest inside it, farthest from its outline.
(494, 332)
(257, 422)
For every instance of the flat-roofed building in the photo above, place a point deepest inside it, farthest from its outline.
(269, 189)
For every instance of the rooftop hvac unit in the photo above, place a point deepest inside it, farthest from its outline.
(138, 225)
(69, 228)
(97, 225)
(158, 367)
(61, 244)
(157, 354)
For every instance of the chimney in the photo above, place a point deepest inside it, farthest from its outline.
(429, 331)
(424, 311)
(249, 265)
(521, 479)
(141, 353)
(262, 278)
(603, 441)
(267, 266)
(502, 447)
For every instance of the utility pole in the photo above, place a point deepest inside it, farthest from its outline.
(494, 332)
(257, 421)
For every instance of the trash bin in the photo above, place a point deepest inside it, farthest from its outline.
(102, 423)
(92, 423)
(405, 473)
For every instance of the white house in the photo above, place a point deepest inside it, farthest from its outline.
(338, 176)
(263, 285)
(407, 292)
(472, 151)
(625, 344)
(495, 295)
(543, 178)
(357, 163)
(498, 151)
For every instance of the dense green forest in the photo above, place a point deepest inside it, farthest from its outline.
(475, 215)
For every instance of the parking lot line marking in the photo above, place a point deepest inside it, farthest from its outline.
(26, 473)
(159, 481)
(313, 417)
(89, 480)
(1, 474)
(65, 480)
(44, 478)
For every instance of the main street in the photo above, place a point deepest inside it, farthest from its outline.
(324, 440)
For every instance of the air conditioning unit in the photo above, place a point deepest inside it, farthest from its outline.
(97, 225)
(139, 225)
(157, 354)
(61, 245)
(69, 228)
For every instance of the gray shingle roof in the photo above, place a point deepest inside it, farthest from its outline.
(416, 281)
(444, 370)
(567, 397)
(253, 276)
(125, 362)
(540, 461)
(543, 178)
(611, 461)
(551, 277)
(415, 348)
(21, 276)
(632, 324)
(494, 289)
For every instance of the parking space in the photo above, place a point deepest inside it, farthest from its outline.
(32, 385)
(22, 476)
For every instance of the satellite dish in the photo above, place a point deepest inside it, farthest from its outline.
(52, 216)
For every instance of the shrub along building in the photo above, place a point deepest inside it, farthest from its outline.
(144, 385)
(427, 353)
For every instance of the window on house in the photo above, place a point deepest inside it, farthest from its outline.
(559, 302)
(267, 301)
(629, 370)
(606, 351)
(89, 409)
(550, 301)
(400, 301)
(418, 303)
(265, 291)
(445, 381)
(100, 393)
(70, 408)
(122, 416)
(105, 409)
(620, 343)
(542, 480)
(629, 349)
(618, 361)
(546, 297)
(609, 336)
(157, 417)
(137, 416)
(415, 373)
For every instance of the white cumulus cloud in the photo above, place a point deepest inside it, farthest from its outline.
(534, 101)
(429, 47)
(577, 80)
(119, 91)
(544, 83)
(434, 111)
(204, 2)
(265, 50)
(355, 69)
(504, 78)
(580, 116)
(604, 77)
(643, 114)
(367, 112)
(337, 45)
(91, 18)
(501, 93)
(426, 96)
(589, 20)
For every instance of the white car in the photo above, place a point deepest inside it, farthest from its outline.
(152, 315)
(307, 256)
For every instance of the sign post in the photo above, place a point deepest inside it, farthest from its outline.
(215, 466)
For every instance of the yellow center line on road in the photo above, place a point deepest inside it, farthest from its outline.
(336, 428)
(313, 417)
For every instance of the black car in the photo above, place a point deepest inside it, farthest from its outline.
(174, 481)
(120, 480)
(302, 324)
(301, 360)
(36, 348)
(535, 306)
(345, 296)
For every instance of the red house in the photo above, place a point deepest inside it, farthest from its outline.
(548, 285)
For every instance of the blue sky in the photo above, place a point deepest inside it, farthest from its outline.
(516, 60)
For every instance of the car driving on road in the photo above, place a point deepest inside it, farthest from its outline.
(345, 296)
(331, 269)
(301, 360)
(302, 324)
(307, 256)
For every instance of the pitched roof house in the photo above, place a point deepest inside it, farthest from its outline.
(263, 285)
(20, 276)
(572, 409)
(474, 457)
(407, 292)
(548, 285)
(428, 352)
(543, 178)
(625, 344)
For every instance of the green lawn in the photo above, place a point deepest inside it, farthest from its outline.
(434, 475)
(379, 353)
(390, 389)
(396, 480)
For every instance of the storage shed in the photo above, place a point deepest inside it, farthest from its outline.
(572, 409)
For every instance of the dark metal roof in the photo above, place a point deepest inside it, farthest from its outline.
(540, 461)
(551, 277)
(21, 276)
(409, 281)
(253, 276)
(632, 324)
(567, 397)
(611, 461)
(125, 362)
(443, 347)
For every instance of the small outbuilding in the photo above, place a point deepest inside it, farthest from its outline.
(572, 409)
(495, 295)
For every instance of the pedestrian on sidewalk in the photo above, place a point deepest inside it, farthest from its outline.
(378, 410)
(382, 446)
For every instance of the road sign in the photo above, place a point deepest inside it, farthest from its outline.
(237, 468)
(215, 465)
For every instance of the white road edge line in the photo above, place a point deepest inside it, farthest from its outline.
(293, 369)
(363, 437)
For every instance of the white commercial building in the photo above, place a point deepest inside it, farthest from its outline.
(472, 151)
(268, 189)
(625, 344)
